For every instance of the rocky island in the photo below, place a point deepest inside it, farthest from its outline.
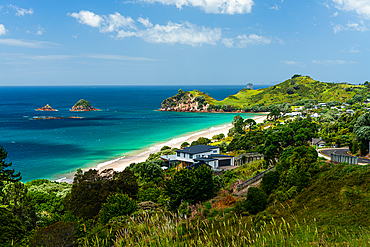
(83, 105)
(46, 108)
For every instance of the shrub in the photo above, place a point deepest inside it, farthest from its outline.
(290, 90)
(256, 200)
(270, 181)
(117, 205)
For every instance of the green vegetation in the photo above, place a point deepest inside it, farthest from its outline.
(83, 104)
(299, 90)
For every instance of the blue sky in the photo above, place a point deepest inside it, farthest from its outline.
(182, 42)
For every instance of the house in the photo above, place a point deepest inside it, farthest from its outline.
(350, 111)
(200, 154)
(318, 142)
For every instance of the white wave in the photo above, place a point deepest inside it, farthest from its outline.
(109, 162)
(63, 179)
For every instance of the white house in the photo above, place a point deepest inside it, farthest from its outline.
(200, 154)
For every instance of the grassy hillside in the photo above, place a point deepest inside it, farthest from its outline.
(298, 88)
(303, 87)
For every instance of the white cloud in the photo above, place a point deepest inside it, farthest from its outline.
(110, 23)
(361, 7)
(242, 41)
(211, 6)
(118, 57)
(3, 31)
(297, 63)
(145, 22)
(185, 33)
(228, 42)
(26, 43)
(252, 39)
(335, 14)
(114, 21)
(21, 11)
(332, 62)
(40, 31)
(350, 26)
(353, 50)
(87, 18)
(275, 7)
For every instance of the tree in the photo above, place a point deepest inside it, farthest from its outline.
(256, 200)
(270, 181)
(239, 124)
(11, 227)
(184, 145)
(203, 141)
(362, 128)
(149, 170)
(5, 173)
(91, 189)
(250, 123)
(191, 186)
(358, 98)
(290, 90)
(117, 205)
(274, 114)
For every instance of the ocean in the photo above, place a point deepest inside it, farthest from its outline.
(127, 123)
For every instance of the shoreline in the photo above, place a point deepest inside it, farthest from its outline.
(119, 164)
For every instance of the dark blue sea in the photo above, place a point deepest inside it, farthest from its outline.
(127, 123)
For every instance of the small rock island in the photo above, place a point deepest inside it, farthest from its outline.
(46, 108)
(83, 105)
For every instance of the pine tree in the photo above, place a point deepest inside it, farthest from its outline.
(7, 174)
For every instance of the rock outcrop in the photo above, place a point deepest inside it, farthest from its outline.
(46, 108)
(83, 105)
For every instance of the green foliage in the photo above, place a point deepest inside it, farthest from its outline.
(184, 145)
(256, 200)
(90, 191)
(192, 186)
(149, 170)
(83, 103)
(7, 174)
(58, 234)
(11, 228)
(270, 182)
(156, 156)
(117, 205)
(290, 90)
(362, 130)
(203, 141)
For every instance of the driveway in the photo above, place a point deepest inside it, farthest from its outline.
(341, 151)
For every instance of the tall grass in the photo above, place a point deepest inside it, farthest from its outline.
(168, 229)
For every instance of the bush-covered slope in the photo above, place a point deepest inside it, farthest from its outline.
(338, 199)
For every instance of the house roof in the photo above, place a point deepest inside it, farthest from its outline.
(197, 149)
(317, 140)
(204, 159)
(219, 156)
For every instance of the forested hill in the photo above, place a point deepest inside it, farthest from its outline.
(296, 91)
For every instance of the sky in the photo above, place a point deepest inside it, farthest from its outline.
(182, 42)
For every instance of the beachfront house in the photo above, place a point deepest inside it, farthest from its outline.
(201, 154)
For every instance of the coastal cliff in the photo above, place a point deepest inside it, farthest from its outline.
(83, 105)
(46, 108)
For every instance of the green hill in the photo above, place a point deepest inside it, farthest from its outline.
(297, 90)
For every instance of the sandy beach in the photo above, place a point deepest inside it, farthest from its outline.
(121, 163)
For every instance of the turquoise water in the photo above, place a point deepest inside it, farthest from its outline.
(127, 123)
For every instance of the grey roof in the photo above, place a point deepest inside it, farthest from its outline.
(204, 159)
(219, 155)
(317, 140)
(197, 149)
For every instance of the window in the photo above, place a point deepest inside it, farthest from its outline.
(198, 156)
(191, 156)
(178, 154)
(214, 151)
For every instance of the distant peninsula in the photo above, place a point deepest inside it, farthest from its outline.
(46, 108)
(298, 90)
(83, 105)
